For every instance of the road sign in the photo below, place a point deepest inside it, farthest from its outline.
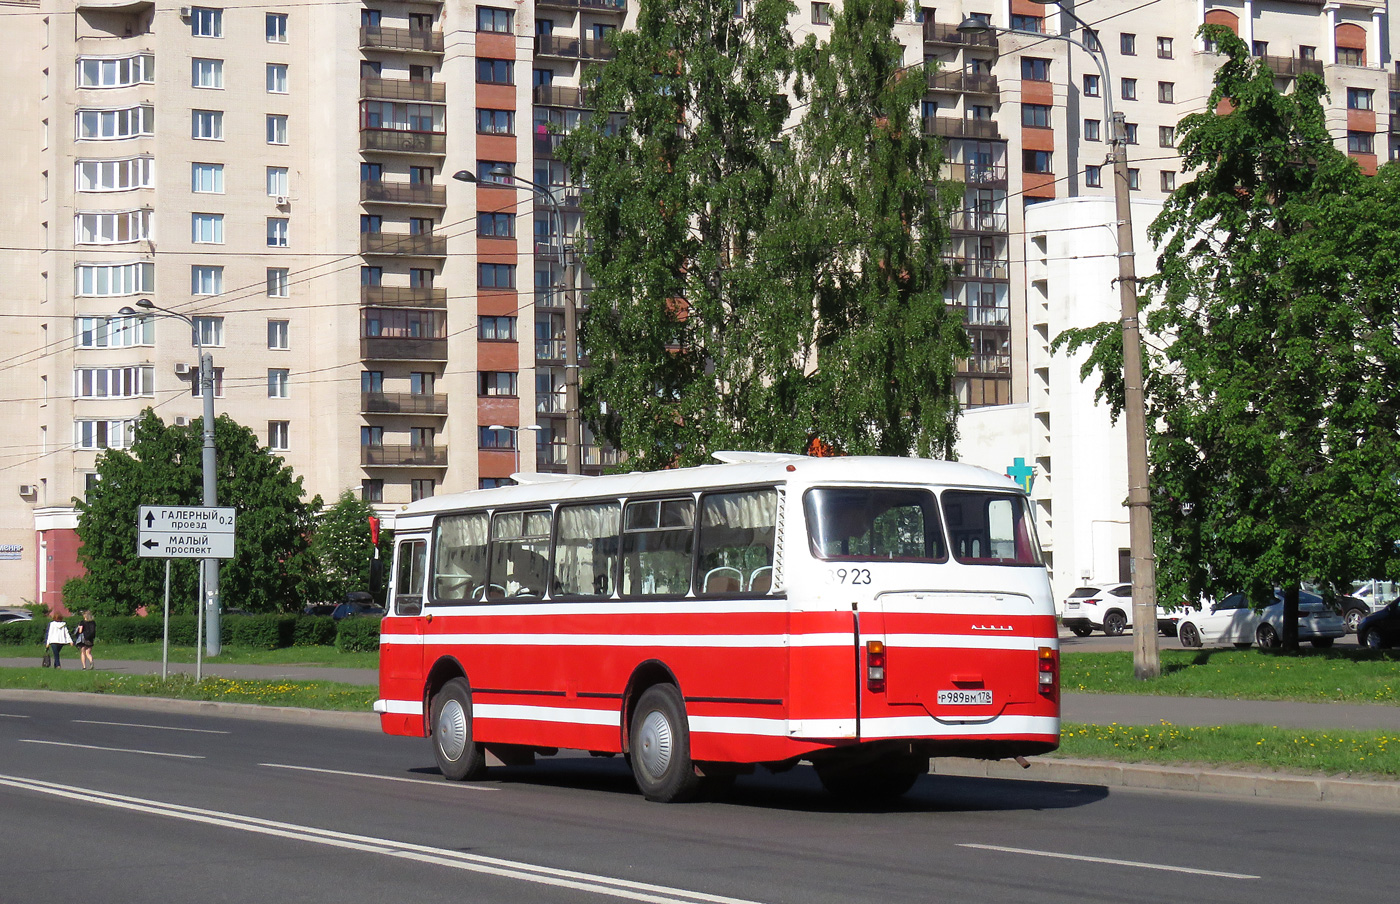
(175, 532)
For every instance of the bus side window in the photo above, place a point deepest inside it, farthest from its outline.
(459, 558)
(737, 534)
(519, 554)
(585, 550)
(658, 543)
(412, 557)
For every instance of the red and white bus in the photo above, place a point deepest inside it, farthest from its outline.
(860, 614)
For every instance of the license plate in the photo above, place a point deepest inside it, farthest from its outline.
(1074, 605)
(964, 698)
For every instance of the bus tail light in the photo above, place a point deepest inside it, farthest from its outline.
(1049, 673)
(875, 666)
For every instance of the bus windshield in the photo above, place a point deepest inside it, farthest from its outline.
(864, 524)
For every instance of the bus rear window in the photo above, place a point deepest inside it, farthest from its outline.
(990, 528)
(865, 524)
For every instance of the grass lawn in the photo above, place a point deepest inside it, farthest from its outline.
(229, 655)
(273, 692)
(1311, 675)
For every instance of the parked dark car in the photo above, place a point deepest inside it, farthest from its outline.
(357, 603)
(9, 615)
(319, 609)
(1380, 629)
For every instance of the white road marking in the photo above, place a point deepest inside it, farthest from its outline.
(141, 725)
(12, 716)
(508, 869)
(178, 756)
(1132, 863)
(383, 778)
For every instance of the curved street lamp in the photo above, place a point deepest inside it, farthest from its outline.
(573, 425)
(1146, 661)
(209, 463)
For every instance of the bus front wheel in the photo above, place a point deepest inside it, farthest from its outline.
(459, 757)
(660, 747)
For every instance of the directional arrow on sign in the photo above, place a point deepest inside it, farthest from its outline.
(150, 544)
(150, 520)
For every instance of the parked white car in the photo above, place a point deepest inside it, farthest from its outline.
(1231, 620)
(1107, 608)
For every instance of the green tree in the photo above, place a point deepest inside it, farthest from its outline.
(272, 562)
(341, 544)
(732, 307)
(1274, 461)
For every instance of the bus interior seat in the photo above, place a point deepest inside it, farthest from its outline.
(761, 581)
(723, 579)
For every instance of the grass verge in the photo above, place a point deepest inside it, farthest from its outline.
(1312, 676)
(276, 692)
(230, 655)
(1355, 753)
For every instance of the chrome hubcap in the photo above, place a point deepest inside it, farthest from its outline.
(452, 730)
(656, 744)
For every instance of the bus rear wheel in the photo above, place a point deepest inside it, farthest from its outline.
(660, 747)
(883, 780)
(459, 757)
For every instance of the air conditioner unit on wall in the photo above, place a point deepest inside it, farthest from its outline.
(182, 421)
(182, 368)
(283, 200)
(184, 12)
(28, 489)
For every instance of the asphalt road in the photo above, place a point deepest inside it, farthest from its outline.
(109, 804)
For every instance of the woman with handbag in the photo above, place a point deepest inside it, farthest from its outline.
(87, 633)
(58, 638)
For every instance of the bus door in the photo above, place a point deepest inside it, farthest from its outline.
(401, 637)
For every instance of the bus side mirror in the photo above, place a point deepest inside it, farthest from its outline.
(376, 577)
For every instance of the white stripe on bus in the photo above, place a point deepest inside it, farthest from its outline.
(748, 641)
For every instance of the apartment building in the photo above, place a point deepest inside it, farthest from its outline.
(279, 179)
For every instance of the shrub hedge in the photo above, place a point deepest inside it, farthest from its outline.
(268, 632)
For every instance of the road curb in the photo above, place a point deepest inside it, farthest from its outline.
(320, 717)
(1350, 792)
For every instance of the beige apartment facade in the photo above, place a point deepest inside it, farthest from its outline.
(283, 177)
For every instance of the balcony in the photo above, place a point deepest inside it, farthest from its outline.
(948, 127)
(401, 348)
(411, 40)
(979, 221)
(403, 456)
(561, 96)
(963, 82)
(427, 245)
(403, 193)
(403, 89)
(984, 174)
(403, 296)
(403, 403)
(397, 141)
(602, 6)
(571, 48)
(939, 33)
(1395, 123)
(1291, 67)
(549, 350)
(977, 268)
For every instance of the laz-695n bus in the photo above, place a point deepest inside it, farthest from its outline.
(859, 614)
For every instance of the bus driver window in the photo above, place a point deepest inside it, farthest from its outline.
(409, 570)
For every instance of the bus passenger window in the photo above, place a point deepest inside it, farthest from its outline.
(459, 559)
(519, 554)
(991, 528)
(657, 547)
(408, 577)
(585, 549)
(869, 524)
(737, 534)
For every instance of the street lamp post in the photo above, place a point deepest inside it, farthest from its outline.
(515, 435)
(573, 425)
(1146, 661)
(209, 464)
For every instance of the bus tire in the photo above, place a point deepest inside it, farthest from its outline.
(660, 747)
(459, 757)
(875, 782)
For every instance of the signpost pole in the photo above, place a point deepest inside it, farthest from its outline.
(199, 631)
(165, 634)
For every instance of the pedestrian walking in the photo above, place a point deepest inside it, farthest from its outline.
(58, 638)
(87, 633)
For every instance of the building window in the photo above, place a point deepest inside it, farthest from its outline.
(279, 282)
(1307, 52)
(1130, 132)
(495, 439)
(495, 225)
(492, 483)
(102, 280)
(1028, 23)
(113, 332)
(420, 225)
(495, 172)
(1166, 92)
(276, 28)
(1127, 44)
(1260, 48)
(1093, 176)
(1035, 69)
(113, 228)
(1351, 56)
(1168, 180)
(372, 437)
(278, 335)
(1164, 48)
(277, 383)
(103, 435)
(495, 276)
(278, 232)
(495, 72)
(206, 280)
(117, 175)
(1134, 180)
(821, 13)
(207, 178)
(279, 435)
(499, 383)
(371, 276)
(1092, 130)
(495, 122)
(207, 228)
(490, 19)
(1091, 40)
(1361, 143)
(276, 128)
(1091, 86)
(496, 329)
(420, 488)
(207, 125)
(1036, 115)
(1129, 86)
(206, 22)
(1166, 136)
(112, 382)
(116, 73)
(372, 490)
(420, 278)
(207, 332)
(276, 78)
(1360, 99)
(278, 182)
(206, 73)
(1036, 161)
(371, 224)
